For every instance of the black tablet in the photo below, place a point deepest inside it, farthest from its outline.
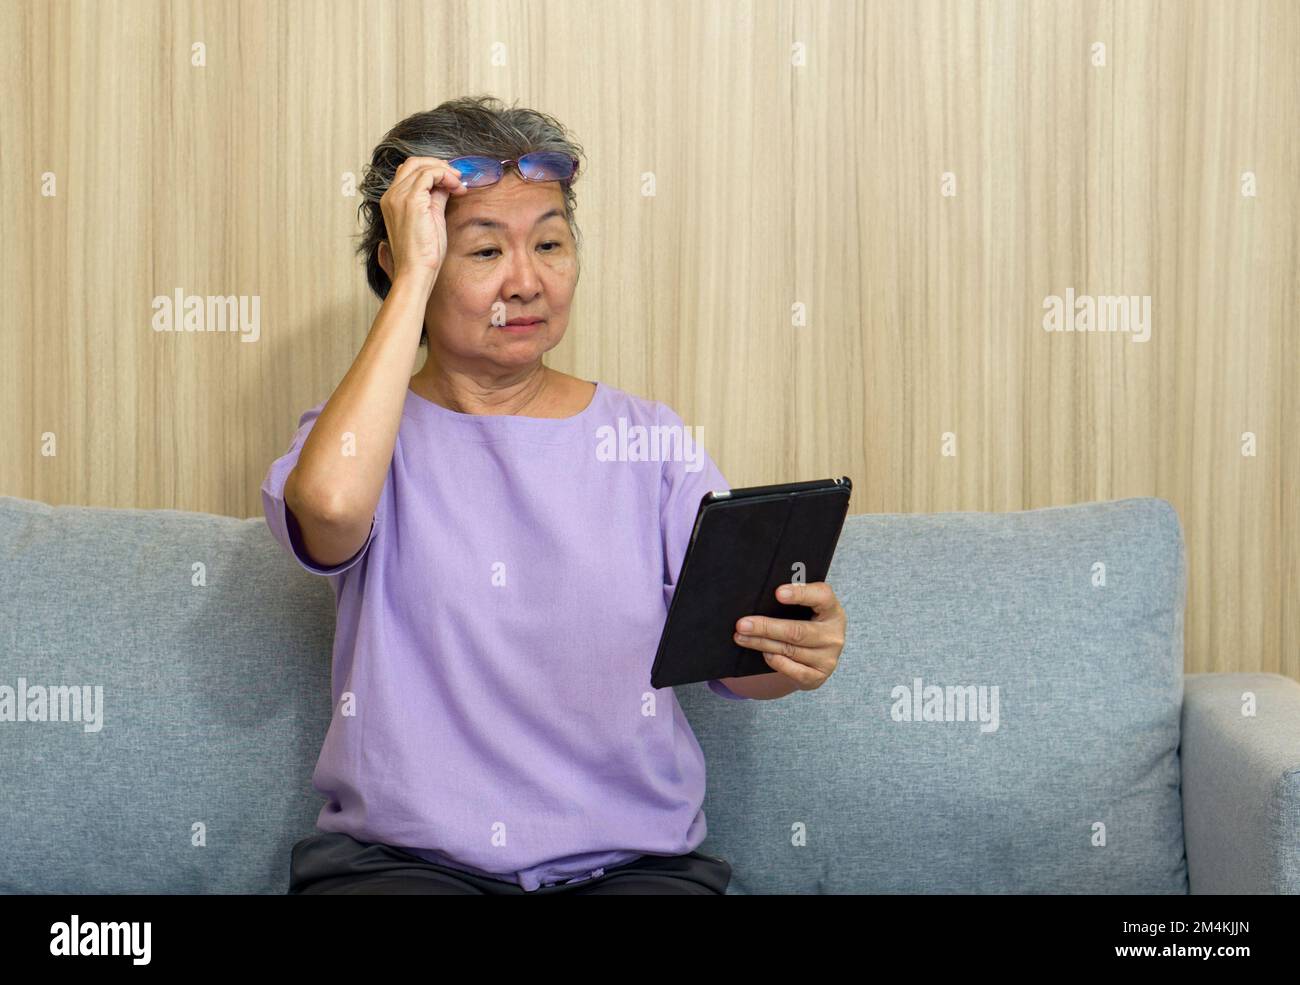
(746, 543)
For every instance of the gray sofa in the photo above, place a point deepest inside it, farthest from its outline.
(1010, 715)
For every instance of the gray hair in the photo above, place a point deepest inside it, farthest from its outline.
(456, 128)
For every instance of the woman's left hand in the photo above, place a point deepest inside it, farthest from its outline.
(805, 650)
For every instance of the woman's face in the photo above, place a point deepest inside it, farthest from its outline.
(509, 255)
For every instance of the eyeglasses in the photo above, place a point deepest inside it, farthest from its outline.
(478, 171)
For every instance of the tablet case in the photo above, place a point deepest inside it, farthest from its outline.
(745, 543)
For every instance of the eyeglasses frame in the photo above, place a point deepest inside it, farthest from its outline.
(520, 171)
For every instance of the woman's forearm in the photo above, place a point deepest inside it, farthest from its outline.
(335, 486)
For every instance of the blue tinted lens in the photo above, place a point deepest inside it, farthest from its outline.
(477, 170)
(546, 166)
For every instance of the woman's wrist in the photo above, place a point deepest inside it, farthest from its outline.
(415, 281)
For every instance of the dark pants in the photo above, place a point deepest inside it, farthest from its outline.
(335, 863)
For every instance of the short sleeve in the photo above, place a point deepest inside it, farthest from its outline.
(684, 484)
(279, 518)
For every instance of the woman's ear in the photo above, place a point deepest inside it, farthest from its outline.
(386, 258)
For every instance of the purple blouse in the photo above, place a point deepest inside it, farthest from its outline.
(491, 669)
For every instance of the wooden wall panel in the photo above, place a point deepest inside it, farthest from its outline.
(798, 152)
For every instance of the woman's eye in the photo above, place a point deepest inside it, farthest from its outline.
(493, 249)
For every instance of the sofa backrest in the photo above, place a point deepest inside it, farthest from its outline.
(209, 651)
(1064, 627)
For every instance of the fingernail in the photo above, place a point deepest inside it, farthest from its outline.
(746, 625)
(784, 592)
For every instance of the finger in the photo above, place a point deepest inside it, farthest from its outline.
(806, 677)
(813, 650)
(428, 178)
(415, 162)
(816, 595)
(440, 178)
(451, 179)
(797, 632)
(767, 644)
(808, 668)
(409, 168)
(404, 181)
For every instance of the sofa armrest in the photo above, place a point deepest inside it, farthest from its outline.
(1241, 783)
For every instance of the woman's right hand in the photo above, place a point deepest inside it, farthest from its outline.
(415, 215)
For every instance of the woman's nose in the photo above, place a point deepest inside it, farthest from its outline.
(521, 276)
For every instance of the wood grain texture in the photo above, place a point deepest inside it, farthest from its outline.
(797, 150)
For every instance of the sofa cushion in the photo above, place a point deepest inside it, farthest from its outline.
(215, 700)
(1072, 616)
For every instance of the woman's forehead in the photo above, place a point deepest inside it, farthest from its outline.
(507, 203)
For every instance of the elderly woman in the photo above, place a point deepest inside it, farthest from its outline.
(500, 586)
